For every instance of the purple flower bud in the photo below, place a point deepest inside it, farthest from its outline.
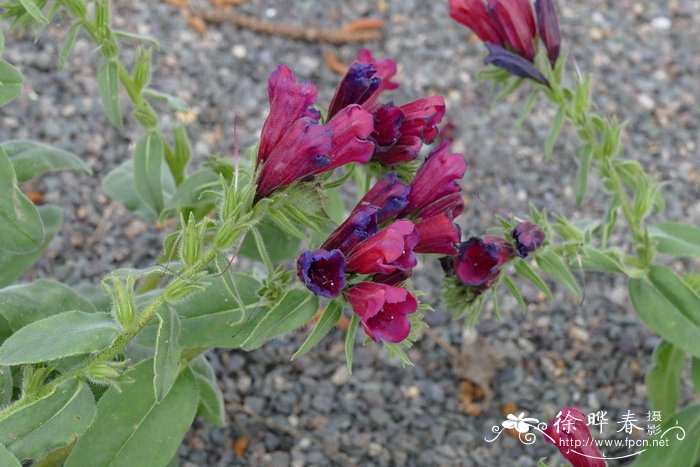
(548, 28)
(514, 64)
(388, 250)
(383, 310)
(517, 25)
(360, 225)
(436, 178)
(289, 101)
(528, 237)
(479, 260)
(389, 195)
(358, 85)
(385, 71)
(322, 271)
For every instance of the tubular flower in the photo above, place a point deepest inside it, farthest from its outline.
(513, 64)
(358, 85)
(360, 225)
(388, 250)
(548, 27)
(569, 432)
(401, 131)
(438, 235)
(436, 180)
(479, 260)
(385, 71)
(389, 195)
(517, 25)
(528, 237)
(322, 271)
(383, 310)
(475, 15)
(289, 101)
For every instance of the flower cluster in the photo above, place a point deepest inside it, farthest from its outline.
(510, 32)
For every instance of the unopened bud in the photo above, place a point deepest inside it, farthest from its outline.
(179, 289)
(192, 243)
(124, 303)
(146, 116)
(142, 67)
(528, 238)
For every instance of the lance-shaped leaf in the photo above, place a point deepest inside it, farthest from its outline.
(668, 306)
(293, 310)
(21, 229)
(325, 323)
(62, 335)
(554, 132)
(555, 268)
(196, 190)
(7, 459)
(23, 304)
(5, 386)
(108, 84)
(677, 239)
(68, 45)
(131, 429)
(148, 164)
(13, 265)
(168, 351)
(31, 159)
(526, 271)
(350, 340)
(211, 401)
(280, 245)
(664, 378)
(677, 443)
(10, 82)
(49, 423)
(585, 155)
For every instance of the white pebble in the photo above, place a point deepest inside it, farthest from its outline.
(239, 51)
(661, 22)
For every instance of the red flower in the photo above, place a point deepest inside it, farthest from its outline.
(388, 250)
(385, 71)
(548, 27)
(438, 235)
(517, 25)
(389, 195)
(479, 260)
(475, 15)
(436, 179)
(383, 310)
(569, 432)
(358, 85)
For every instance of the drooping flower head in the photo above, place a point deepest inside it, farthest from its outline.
(479, 260)
(383, 310)
(569, 432)
(322, 271)
(528, 237)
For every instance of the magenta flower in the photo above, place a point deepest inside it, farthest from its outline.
(357, 86)
(349, 129)
(569, 432)
(322, 271)
(528, 238)
(389, 194)
(438, 235)
(401, 131)
(360, 225)
(388, 250)
(548, 27)
(383, 310)
(479, 260)
(289, 101)
(475, 15)
(517, 25)
(436, 179)
(452, 205)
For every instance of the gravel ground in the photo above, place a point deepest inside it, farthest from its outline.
(646, 60)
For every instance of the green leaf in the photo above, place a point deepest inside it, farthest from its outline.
(677, 239)
(6, 457)
(677, 291)
(31, 159)
(602, 260)
(168, 351)
(137, 37)
(23, 304)
(554, 133)
(555, 268)
(49, 423)
(68, 45)
(525, 271)
(13, 265)
(675, 452)
(196, 190)
(661, 315)
(513, 289)
(294, 309)
(34, 11)
(585, 155)
(148, 165)
(331, 315)
(5, 386)
(350, 340)
(62, 335)
(664, 378)
(10, 82)
(21, 229)
(280, 245)
(211, 401)
(131, 429)
(695, 374)
(2, 41)
(108, 84)
(174, 102)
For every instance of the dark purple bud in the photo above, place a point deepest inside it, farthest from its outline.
(358, 85)
(322, 271)
(528, 237)
(389, 195)
(548, 28)
(360, 225)
(386, 69)
(479, 260)
(514, 64)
